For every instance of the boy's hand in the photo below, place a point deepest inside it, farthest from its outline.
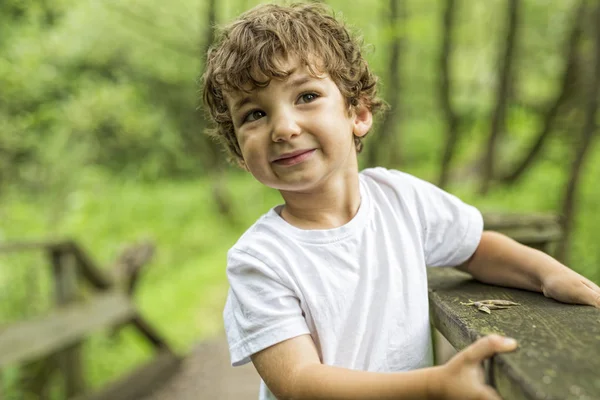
(568, 286)
(502, 261)
(462, 378)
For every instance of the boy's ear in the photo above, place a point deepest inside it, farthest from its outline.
(242, 164)
(363, 120)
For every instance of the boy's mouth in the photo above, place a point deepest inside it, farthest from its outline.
(294, 157)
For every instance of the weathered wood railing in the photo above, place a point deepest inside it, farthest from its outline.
(559, 344)
(56, 338)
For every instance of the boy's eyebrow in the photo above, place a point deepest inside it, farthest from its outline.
(241, 102)
(298, 81)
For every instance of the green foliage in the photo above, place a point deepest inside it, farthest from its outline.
(89, 90)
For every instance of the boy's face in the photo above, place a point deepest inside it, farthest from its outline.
(297, 133)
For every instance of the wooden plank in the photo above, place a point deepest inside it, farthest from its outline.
(15, 247)
(96, 276)
(29, 340)
(101, 281)
(559, 344)
(527, 235)
(66, 292)
(89, 270)
(503, 220)
(140, 382)
(149, 333)
(528, 229)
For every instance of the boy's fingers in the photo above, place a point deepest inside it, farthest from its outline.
(491, 394)
(488, 346)
(591, 284)
(592, 297)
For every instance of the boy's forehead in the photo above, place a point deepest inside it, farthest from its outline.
(296, 74)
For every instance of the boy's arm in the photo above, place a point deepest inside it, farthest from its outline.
(292, 370)
(500, 260)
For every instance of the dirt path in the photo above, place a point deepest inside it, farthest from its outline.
(207, 374)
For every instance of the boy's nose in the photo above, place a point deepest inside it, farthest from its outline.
(284, 128)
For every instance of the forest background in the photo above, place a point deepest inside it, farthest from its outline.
(101, 138)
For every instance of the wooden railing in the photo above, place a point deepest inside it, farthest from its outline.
(559, 345)
(55, 339)
(557, 358)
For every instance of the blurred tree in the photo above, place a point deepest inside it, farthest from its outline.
(214, 157)
(70, 100)
(505, 65)
(445, 91)
(583, 145)
(197, 142)
(566, 91)
(147, 21)
(29, 91)
(386, 149)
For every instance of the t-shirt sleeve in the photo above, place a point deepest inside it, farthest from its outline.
(260, 310)
(451, 228)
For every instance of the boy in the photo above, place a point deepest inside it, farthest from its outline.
(328, 293)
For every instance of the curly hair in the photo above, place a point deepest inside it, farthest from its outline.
(260, 38)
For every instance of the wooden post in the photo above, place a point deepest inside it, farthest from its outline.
(65, 278)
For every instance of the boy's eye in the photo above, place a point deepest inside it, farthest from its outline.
(308, 97)
(253, 116)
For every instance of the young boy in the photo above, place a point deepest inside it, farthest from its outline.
(328, 292)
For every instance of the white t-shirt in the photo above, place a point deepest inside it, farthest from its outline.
(359, 290)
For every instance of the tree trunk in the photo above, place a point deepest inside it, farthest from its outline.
(214, 162)
(385, 141)
(498, 118)
(582, 147)
(452, 120)
(202, 148)
(568, 76)
(207, 149)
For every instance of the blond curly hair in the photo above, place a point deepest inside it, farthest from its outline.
(260, 38)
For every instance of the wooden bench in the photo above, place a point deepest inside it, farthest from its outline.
(58, 335)
(559, 344)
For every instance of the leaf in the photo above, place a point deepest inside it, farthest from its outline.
(485, 309)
